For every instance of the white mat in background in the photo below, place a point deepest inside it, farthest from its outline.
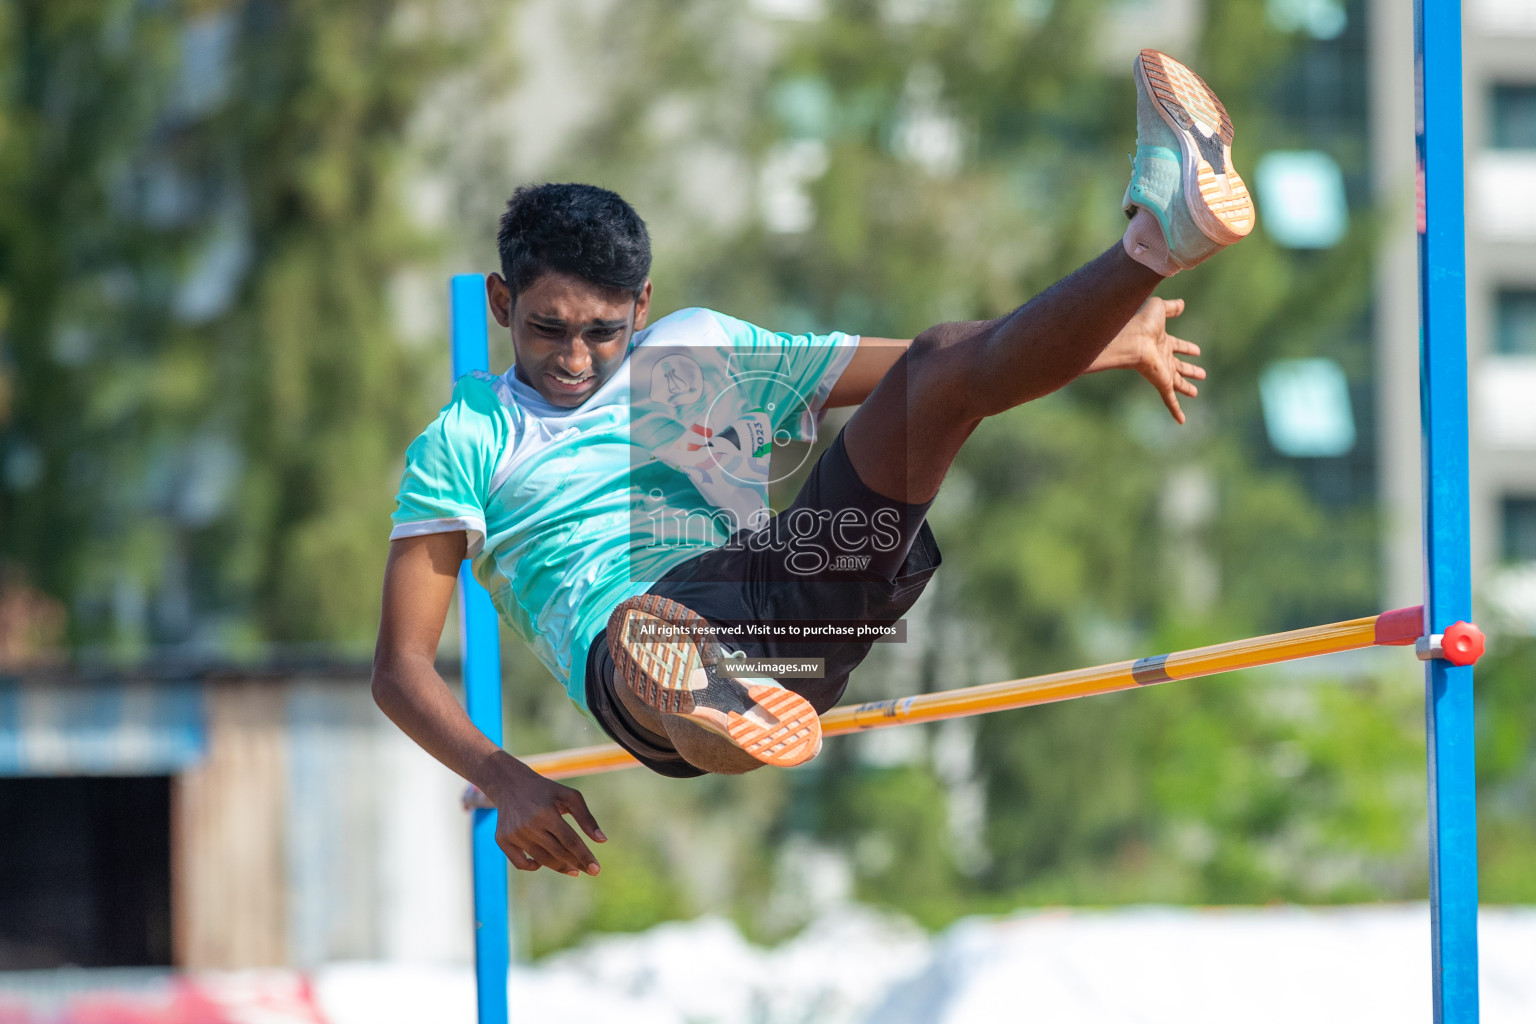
(1125, 966)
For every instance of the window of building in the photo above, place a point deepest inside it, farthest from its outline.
(1306, 408)
(1513, 117)
(1514, 331)
(85, 871)
(1520, 529)
(1302, 196)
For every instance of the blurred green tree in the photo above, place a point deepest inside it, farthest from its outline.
(1506, 770)
(207, 395)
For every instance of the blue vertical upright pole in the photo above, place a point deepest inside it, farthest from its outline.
(1447, 555)
(482, 693)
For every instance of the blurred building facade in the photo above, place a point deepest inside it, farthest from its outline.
(1500, 105)
(218, 819)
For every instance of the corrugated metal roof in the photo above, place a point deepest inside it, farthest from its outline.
(107, 728)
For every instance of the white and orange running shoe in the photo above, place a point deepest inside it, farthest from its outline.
(667, 655)
(1182, 174)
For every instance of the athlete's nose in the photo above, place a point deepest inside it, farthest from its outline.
(576, 360)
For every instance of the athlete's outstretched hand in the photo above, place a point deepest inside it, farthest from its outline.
(1144, 345)
(531, 828)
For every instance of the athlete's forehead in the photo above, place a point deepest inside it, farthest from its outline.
(558, 321)
(560, 300)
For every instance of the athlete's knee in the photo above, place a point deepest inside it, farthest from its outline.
(944, 366)
(941, 345)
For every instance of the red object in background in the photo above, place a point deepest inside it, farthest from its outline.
(253, 997)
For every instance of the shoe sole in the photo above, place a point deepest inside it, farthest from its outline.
(1217, 197)
(677, 677)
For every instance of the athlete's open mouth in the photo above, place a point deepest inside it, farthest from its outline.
(570, 384)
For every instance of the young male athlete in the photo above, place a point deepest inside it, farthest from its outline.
(612, 486)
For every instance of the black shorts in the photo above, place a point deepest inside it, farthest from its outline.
(839, 553)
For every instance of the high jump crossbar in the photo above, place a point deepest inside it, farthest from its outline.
(1441, 634)
(1462, 643)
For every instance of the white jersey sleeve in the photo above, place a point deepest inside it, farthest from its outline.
(449, 467)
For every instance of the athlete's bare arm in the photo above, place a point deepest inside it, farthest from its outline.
(530, 828)
(1144, 345)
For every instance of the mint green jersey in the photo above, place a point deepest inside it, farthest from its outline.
(570, 511)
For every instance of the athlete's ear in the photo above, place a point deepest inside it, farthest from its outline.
(643, 305)
(500, 297)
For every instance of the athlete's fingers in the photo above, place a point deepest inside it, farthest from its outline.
(546, 858)
(1171, 400)
(1185, 387)
(1173, 307)
(575, 805)
(517, 857)
(1190, 370)
(1184, 348)
(555, 856)
(572, 847)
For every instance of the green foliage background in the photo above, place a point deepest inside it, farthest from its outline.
(131, 166)
(1061, 528)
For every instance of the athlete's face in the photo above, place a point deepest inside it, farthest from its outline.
(569, 336)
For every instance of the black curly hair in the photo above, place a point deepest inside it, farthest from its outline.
(581, 230)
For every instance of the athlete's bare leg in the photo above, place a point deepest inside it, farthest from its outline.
(1187, 202)
(904, 437)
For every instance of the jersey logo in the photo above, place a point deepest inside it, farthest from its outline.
(677, 381)
(729, 467)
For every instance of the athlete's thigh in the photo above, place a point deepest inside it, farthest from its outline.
(906, 434)
(839, 527)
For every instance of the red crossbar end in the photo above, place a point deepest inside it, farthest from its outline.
(1463, 644)
(1400, 627)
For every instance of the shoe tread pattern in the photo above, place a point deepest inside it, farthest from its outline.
(660, 674)
(1192, 106)
(793, 739)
